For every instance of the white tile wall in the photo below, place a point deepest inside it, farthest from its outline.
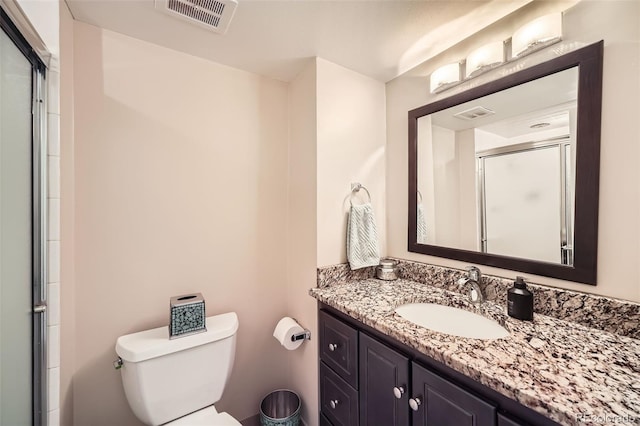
(53, 303)
(53, 91)
(53, 246)
(54, 387)
(54, 346)
(53, 164)
(54, 261)
(54, 219)
(53, 124)
(54, 418)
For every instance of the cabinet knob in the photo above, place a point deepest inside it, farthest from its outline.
(398, 391)
(333, 346)
(333, 403)
(414, 403)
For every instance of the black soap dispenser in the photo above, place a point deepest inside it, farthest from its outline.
(520, 301)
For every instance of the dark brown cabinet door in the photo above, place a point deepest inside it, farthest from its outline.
(324, 421)
(438, 402)
(381, 370)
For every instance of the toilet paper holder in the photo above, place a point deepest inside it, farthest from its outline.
(290, 334)
(305, 335)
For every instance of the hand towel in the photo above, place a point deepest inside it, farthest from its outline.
(362, 237)
(421, 229)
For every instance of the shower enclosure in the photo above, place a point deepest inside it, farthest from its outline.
(22, 232)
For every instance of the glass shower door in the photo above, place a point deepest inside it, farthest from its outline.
(522, 204)
(18, 214)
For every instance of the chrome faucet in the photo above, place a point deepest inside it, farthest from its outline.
(472, 281)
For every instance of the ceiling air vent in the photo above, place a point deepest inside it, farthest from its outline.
(473, 113)
(214, 15)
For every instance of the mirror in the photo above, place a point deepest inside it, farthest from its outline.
(506, 174)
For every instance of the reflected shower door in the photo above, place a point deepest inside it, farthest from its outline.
(522, 204)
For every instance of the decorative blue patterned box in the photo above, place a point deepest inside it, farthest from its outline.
(187, 315)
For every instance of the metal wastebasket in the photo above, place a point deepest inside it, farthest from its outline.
(280, 408)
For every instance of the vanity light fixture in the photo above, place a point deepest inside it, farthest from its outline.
(535, 35)
(485, 58)
(444, 77)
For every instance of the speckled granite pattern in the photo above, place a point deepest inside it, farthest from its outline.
(558, 368)
(336, 274)
(608, 314)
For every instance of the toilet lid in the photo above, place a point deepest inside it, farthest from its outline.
(206, 417)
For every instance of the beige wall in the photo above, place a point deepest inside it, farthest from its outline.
(191, 176)
(618, 23)
(180, 186)
(301, 246)
(336, 137)
(351, 148)
(465, 156)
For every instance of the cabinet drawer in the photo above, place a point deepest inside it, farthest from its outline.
(443, 403)
(509, 421)
(338, 400)
(339, 347)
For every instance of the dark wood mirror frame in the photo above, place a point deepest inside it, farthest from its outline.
(584, 269)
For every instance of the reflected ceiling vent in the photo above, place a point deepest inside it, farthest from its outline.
(473, 113)
(214, 15)
(539, 125)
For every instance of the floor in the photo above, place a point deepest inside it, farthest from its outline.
(251, 421)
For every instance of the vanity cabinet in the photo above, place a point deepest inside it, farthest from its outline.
(369, 379)
(387, 399)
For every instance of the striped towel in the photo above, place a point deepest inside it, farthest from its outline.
(362, 237)
(422, 226)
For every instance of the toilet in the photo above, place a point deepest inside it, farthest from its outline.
(177, 381)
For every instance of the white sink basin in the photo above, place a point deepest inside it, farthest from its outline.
(454, 321)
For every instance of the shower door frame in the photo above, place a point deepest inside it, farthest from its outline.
(38, 221)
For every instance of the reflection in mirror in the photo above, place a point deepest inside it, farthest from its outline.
(496, 176)
(506, 174)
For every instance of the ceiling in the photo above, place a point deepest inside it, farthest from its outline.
(518, 108)
(378, 38)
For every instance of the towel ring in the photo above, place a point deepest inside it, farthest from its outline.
(355, 187)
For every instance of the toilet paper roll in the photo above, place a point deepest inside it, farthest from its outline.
(287, 328)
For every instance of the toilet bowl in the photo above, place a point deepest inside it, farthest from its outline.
(177, 382)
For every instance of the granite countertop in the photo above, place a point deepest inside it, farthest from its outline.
(558, 368)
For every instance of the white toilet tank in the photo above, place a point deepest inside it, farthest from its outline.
(166, 379)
